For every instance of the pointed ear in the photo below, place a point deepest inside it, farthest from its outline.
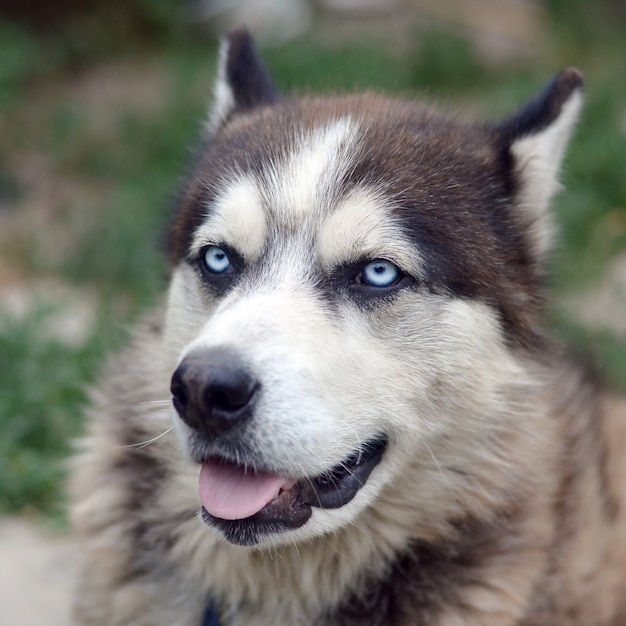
(535, 140)
(242, 81)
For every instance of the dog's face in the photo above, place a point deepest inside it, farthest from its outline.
(354, 294)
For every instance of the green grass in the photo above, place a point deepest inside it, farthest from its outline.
(131, 169)
(42, 396)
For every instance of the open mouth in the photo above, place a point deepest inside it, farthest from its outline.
(246, 505)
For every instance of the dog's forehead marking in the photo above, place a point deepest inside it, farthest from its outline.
(306, 182)
(236, 217)
(296, 190)
(304, 191)
(362, 226)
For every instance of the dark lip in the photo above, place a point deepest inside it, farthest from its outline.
(339, 485)
(292, 509)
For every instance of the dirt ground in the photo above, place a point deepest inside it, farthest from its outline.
(37, 575)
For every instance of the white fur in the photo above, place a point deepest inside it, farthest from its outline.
(223, 97)
(307, 181)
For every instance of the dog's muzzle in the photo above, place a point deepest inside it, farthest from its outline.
(215, 394)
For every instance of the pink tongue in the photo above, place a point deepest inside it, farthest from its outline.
(227, 492)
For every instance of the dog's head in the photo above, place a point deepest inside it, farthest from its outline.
(355, 293)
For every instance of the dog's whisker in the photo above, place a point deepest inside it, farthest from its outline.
(148, 410)
(156, 402)
(311, 484)
(349, 471)
(147, 442)
(445, 477)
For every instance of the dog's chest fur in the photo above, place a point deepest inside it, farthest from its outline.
(350, 384)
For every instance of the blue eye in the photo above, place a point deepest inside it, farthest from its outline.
(216, 260)
(380, 274)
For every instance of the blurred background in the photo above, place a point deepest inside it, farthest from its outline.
(99, 102)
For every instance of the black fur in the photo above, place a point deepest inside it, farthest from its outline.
(542, 110)
(248, 79)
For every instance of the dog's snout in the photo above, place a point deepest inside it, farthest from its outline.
(213, 390)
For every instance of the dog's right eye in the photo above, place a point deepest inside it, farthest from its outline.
(216, 260)
(380, 274)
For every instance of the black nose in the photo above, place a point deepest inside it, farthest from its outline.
(213, 390)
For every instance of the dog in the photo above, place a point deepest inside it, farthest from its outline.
(348, 410)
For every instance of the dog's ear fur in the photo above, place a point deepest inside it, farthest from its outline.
(242, 82)
(534, 140)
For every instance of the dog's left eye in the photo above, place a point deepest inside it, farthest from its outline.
(379, 273)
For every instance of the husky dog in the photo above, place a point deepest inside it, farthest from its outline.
(370, 425)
